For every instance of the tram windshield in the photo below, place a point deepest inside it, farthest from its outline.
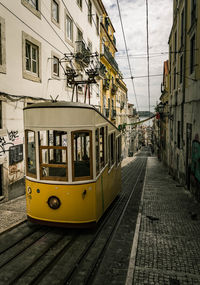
(53, 155)
(81, 153)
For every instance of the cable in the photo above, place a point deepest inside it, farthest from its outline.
(147, 30)
(127, 53)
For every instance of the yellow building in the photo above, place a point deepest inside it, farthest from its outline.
(107, 54)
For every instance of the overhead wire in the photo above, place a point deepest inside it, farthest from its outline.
(126, 48)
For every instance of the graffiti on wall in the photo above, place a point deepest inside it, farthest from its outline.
(12, 135)
(195, 167)
(4, 145)
(8, 141)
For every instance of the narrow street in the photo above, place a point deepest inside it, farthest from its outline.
(150, 235)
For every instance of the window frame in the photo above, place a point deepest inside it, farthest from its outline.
(57, 23)
(2, 46)
(35, 11)
(97, 24)
(26, 73)
(82, 178)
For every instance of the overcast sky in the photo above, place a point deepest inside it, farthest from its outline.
(134, 21)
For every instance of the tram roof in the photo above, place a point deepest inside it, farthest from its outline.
(60, 104)
(65, 104)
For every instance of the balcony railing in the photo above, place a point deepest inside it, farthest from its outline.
(109, 57)
(82, 54)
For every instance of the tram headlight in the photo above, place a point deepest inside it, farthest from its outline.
(54, 202)
(29, 190)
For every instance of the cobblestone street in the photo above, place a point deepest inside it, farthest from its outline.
(169, 236)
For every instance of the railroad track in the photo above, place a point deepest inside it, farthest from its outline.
(44, 255)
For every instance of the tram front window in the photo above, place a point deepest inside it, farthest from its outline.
(81, 153)
(30, 153)
(53, 155)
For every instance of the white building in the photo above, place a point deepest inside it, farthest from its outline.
(35, 35)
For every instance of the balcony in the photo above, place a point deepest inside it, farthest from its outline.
(82, 54)
(109, 57)
(114, 89)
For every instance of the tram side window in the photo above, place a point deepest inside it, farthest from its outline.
(111, 139)
(118, 149)
(30, 153)
(102, 147)
(97, 151)
(106, 145)
(53, 155)
(81, 155)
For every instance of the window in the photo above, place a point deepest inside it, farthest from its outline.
(192, 54)
(33, 3)
(55, 5)
(79, 2)
(2, 46)
(30, 153)
(97, 151)
(97, 24)
(33, 6)
(182, 27)
(102, 147)
(119, 149)
(111, 153)
(31, 58)
(175, 78)
(69, 28)
(179, 135)
(79, 35)
(53, 155)
(82, 155)
(55, 66)
(181, 69)
(90, 11)
(175, 45)
(193, 11)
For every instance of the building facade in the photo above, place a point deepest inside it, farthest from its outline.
(184, 95)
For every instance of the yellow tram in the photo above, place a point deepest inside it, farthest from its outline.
(73, 163)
